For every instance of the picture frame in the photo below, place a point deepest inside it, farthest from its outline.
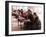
(35, 6)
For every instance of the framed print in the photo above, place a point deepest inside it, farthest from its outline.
(24, 18)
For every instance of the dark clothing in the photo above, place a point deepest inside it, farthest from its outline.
(28, 25)
(37, 24)
(16, 16)
(31, 18)
(33, 24)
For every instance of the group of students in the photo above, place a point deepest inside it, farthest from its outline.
(34, 23)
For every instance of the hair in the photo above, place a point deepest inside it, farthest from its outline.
(34, 13)
(13, 14)
(14, 11)
(29, 10)
(21, 9)
(18, 10)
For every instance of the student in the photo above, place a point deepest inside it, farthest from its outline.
(21, 12)
(15, 13)
(28, 25)
(37, 23)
